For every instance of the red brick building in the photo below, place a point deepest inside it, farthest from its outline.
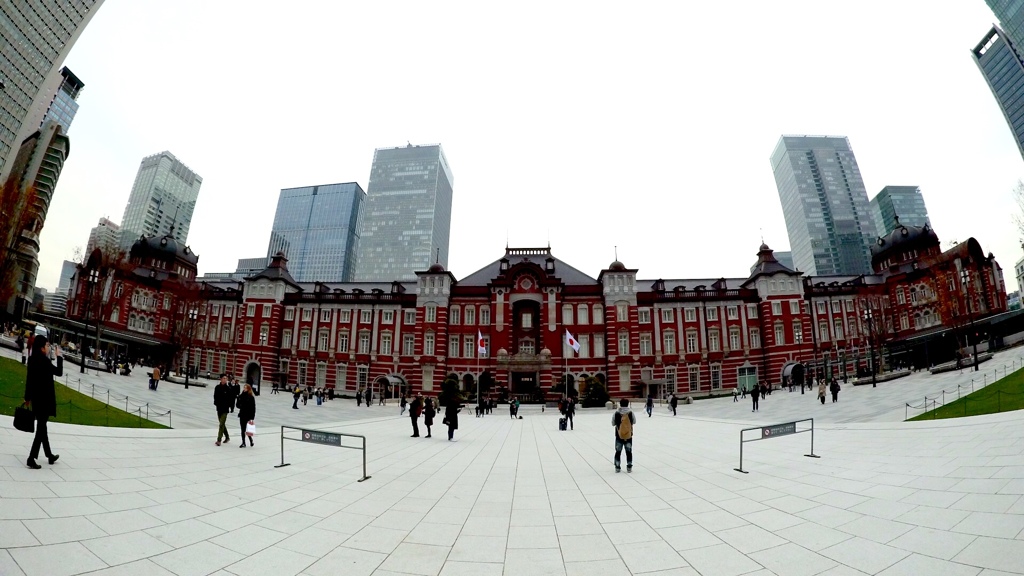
(510, 319)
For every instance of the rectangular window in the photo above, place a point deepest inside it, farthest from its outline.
(163, 325)
(453, 315)
(248, 334)
(794, 306)
(694, 378)
(302, 373)
(341, 376)
(838, 328)
(365, 316)
(321, 375)
(304, 340)
(713, 344)
(408, 344)
(645, 345)
(598, 346)
(325, 316)
(323, 340)
(453, 346)
(409, 317)
(470, 315)
(755, 338)
(777, 308)
(364, 342)
(223, 362)
(468, 346)
(342, 341)
(622, 312)
(346, 316)
(582, 314)
(820, 305)
(904, 322)
(289, 314)
(823, 331)
(431, 313)
(264, 335)
(798, 333)
(167, 303)
(598, 314)
(691, 341)
(670, 378)
(487, 346)
(669, 342)
(485, 315)
(226, 335)
(216, 312)
(387, 316)
(362, 375)
(385, 344)
(712, 313)
(751, 311)
(567, 314)
(716, 377)
(266, 310)
(307, 314)
(732, 312)
(428, 344)
(623, 342)
(251, 311)
(690, 315)
(666, 315)
(835, 306)
(780, 334)
(283, 367)
(734, 339)
(584, 346)
(527, 320)
(644, 315)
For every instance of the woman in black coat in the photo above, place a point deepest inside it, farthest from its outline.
(246, 411)
(451, 415)
(41, 397)
(428, 414)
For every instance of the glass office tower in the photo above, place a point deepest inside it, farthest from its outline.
(1000, 63)
(64, 105)
(407, 218)
(36, 37)
(317, 228)
(825, 205)
(1011, 18)
(902, 204)
(164, 196)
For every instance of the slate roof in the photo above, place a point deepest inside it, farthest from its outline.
(568, 274)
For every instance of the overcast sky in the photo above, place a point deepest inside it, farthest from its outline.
(589, 125)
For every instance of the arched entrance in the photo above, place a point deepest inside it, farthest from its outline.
(253, 375)
(793, 374)
(390, 386)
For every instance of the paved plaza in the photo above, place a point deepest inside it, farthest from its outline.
(519, 497)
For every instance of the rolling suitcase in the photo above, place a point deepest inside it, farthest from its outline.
(562, 424)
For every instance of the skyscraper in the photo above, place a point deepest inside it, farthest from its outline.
(999, 60)
(406, 221)
(105, 236)
(317, 228)
(825, 205)
(36, 38)
(1011, 16)
(163, 196)
(64, 105)
(903, 204)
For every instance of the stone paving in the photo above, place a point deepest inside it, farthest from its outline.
(519, 497)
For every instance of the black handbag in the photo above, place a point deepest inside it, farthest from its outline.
(24, 420)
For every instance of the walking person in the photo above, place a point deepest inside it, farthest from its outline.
(415, 407)
(296, 394)
(764, 389)
(359, 398)
(754, 395)
(570, 410)
(623, 421)
(369, 396)
(41, 397)
(246, 411)
(834, 388)
(735, 395)
(428, 415)
(649, 406)
(222, 401)
(402, 405)
(236, 390)
(673, 402)
(512, 409)
(305, 395)
(451, 415)
(821, 390)
(156, 378)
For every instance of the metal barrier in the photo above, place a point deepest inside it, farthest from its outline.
(774, 431)
(322, 437)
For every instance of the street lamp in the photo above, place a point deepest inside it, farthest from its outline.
(869, 318)
(192, 313)
(91, 279)
(965, 277)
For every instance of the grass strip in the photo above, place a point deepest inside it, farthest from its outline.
(1003, 395)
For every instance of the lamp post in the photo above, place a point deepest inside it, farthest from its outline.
(869, 318)
(965, 278)
(192, 313)
(91, 279)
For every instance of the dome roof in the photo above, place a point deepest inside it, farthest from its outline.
(165, 247)
(903, 239)
(436, 267)
(617, 266)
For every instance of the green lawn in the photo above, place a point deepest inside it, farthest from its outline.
(1001, 396)
(72, 407)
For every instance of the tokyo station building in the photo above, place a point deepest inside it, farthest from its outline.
(688, 336)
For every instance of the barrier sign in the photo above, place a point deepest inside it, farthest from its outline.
(318, 437)
(778, 430)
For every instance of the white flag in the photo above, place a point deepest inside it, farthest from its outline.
(481, 346)
(572, 342)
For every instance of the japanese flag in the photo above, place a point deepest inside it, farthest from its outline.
(481, 347)
(572, 342)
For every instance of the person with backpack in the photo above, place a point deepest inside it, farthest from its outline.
(834, 388)
(650, 405)
(623, 421)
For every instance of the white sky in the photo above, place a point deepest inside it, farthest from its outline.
(590, 124)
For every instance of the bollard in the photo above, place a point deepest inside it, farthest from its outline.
(125, 403)
(999, 400)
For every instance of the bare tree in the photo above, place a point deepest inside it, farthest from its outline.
(188, 297)
(878, 324)
(102, 271)
(16, 217)
(1018, 217)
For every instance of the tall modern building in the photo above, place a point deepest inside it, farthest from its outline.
(35, 37)
(898, 205)
(64, 105)
(1011, 16)
(825, 205)
(999, 59)
(317, 228)
(163, 197)
(67, 272)
(105, 235)
(407, 218)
